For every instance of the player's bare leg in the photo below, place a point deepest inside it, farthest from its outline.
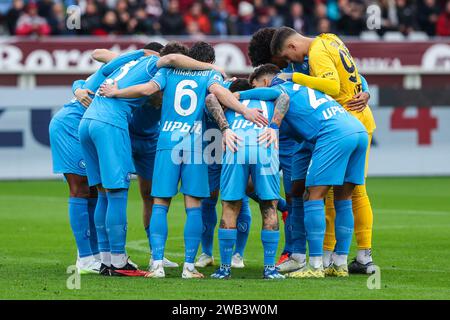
(227, 237)
(192, 236)
(270, 236)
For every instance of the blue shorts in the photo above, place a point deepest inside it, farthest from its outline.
(66, 149)
(107, 151)
(143, 152)
(301, 160)
(335, 162)
(186, 166)
(258, 162)
(214, 171)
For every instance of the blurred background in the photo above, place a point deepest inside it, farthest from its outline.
(402, 47)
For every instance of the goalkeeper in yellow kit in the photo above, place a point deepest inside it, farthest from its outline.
(333, 71)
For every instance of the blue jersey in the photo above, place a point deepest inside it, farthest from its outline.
(73, 111)
(144, 123)
(313, 114)
(117, 111)
(247, 130)
(183, 109)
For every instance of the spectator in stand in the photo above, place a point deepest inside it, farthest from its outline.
(428, 14)
(196, 16)
(246, 21)
(323, 26)
(443, 22)
(352, 20)
(57, 20)
(263, 19)
(140, 23)
(171, 20)
(406, 16)
(18, 7)
(30, 23)
(110, 23)
(276, 18)
(296, 19)
(123, 17)
(90, 20)
(45, 8)
(221, 19)
(319, 23)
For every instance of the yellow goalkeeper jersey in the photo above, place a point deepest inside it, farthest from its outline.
(329, 58)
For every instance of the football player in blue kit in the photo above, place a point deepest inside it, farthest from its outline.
(68, 160)
(240, 161)
(209, 213)
(107, 149)
(337, 160)
(179, 155)
(292, 151)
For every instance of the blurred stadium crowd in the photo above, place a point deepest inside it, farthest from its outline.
(221, 17)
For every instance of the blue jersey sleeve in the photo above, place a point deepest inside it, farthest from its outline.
(161, 78)
(215, 77)
(121, 60)
(365, 85)
(151, 67)
(77, 84)
(260, 94)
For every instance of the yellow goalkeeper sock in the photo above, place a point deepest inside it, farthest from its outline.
(362, 212)
(330, 214)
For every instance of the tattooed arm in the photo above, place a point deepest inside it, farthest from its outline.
(230, 139)
(270, 135)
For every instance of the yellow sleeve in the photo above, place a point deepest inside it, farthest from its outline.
(328, 86)
(324, 76)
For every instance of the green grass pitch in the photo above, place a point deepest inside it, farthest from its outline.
(411, 239)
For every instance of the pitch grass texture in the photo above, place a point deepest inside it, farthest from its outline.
(411, 241)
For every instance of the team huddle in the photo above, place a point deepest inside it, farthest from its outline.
(170, 116)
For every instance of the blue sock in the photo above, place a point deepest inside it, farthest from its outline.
(100, 222)
(192, 233)
(209, 217)
(343, 226)
(282, 205)
(79, 222)
(288, 231)
(147, 232)
(315, 226)
(244, 222)
(92, 204)
(298, 226)
(158, 230)
(270, 241)
(227, 240)
(116, 220)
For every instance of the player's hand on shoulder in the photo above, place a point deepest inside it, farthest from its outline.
(256, 116)
(230, 140)
(108, 90)
(359, 102)
(83, 97)
(269, 136)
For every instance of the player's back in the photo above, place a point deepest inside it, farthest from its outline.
(183, 109)
(313, 114)
(144, 122)
(117, 111)
(245, 129)
(73, 111)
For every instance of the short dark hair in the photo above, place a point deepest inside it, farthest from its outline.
(154, 46)
(240, 84)
(259, 46)
(263, 70)
(279, 38)
(174, 47)
(202, 51)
